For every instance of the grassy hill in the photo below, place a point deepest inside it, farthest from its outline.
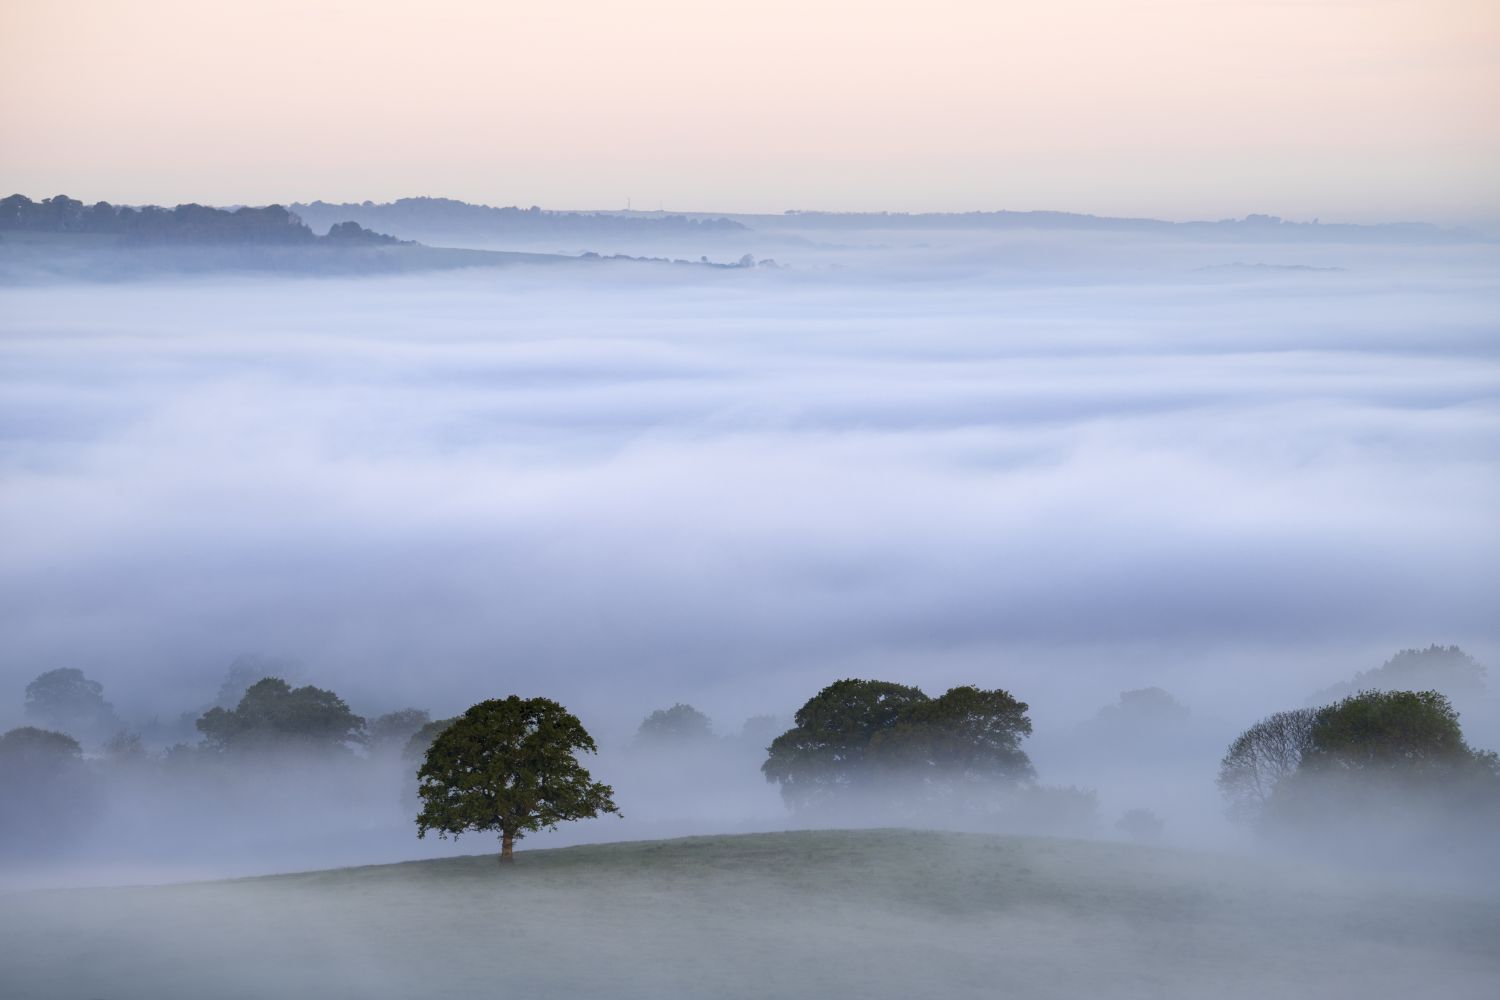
(885, 913)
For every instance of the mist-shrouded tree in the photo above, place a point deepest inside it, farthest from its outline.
(247, 668)
(38, 751)
(1141, 825)
(966, 736)
(272, 715)
(1388, 775)
(826, 752)
(1261, 757)
(417, 744)
(877, 738)
(394, 729)
(1446, 669)
(65, 699)
(1143, 707)
(671, 726)
(46, 792)
(1412, 733)
(509, 766)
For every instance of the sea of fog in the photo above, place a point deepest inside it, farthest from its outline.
(1065, 464)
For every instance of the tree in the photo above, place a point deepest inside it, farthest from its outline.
(1141, 825)
(1143, 707)
(397, 728)
(67, 700)
(246, 669)
(825, 752)
(46, 792)
(38, 751)
(274, 715)
(416, 746)
(1407, 732)
(966, 736)
(1261, 757)
(509, 766)
(876, 737)
(1390, 774)
(678, 724)
(1447, 669)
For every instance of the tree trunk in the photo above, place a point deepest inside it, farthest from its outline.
(507, 841)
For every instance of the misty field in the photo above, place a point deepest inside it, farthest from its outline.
(879, 913)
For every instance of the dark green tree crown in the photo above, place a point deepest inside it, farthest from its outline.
(510, 766)
(273, 714)
(859, 733)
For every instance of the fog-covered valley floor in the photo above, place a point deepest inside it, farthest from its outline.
(1069, 465)
(883, 913)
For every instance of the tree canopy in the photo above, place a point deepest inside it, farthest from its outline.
(877, 737)
(1411, 732)
(274, 715)
(1383, 773)
(1447, 669)
(394, 729)
(32, 750)
(509, 766)
(46, 792)
(1263, 755)
(678, 724)
(66, 699)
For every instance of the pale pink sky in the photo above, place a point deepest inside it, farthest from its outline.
(1344, 109)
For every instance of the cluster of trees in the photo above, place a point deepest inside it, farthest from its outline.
(190, 223)
(1370, 761)
(880, 740)
(1375, 770)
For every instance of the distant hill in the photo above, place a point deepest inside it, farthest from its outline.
(439, 220)
(271, 225)
(1250, 229)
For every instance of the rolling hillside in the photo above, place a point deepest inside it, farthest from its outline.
(886, 913)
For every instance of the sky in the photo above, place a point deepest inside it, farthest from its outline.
(1360, 110)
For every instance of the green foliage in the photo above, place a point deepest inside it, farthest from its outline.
(967, 735)
(65, 699)
(872, 736)
(1411, 732)
(274, 715)
(509, 766)
(678, 724)
(1378, 777)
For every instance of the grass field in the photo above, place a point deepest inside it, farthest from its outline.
(887, 913)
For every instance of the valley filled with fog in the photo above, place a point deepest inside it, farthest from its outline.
(1157, 485)
(1066, 464)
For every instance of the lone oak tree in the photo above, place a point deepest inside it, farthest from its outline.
(509, 766)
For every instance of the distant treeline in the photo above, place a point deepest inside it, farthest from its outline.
(1252, 228)
(423, 216)
(271, 225)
